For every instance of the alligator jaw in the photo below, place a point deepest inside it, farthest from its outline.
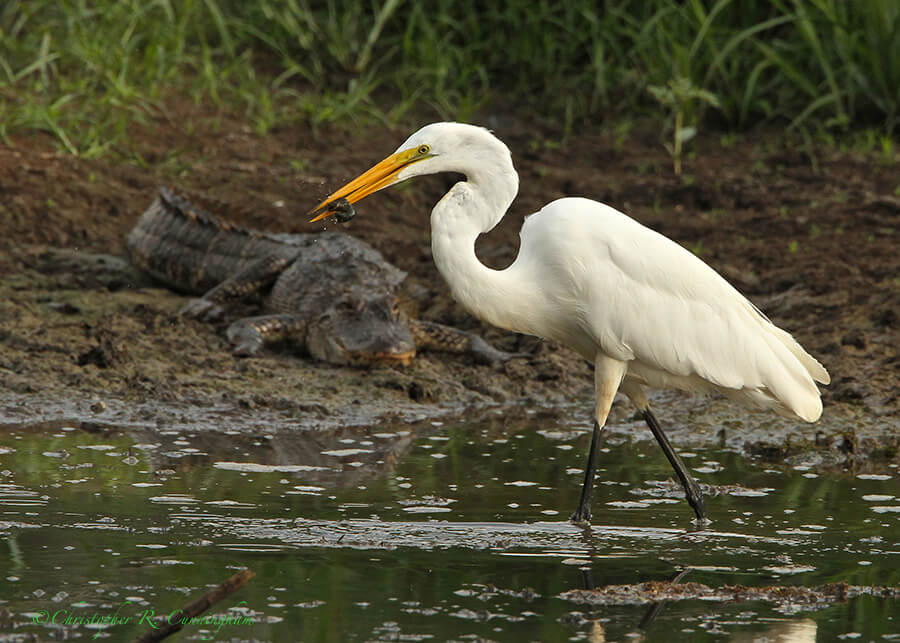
(387, 358)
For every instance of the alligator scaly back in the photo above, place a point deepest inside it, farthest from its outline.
(191, 250)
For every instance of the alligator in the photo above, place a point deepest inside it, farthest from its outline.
(328, 293)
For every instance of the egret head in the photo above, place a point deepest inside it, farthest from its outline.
(438, 147)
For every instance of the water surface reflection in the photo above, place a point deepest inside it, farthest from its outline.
(430, 531)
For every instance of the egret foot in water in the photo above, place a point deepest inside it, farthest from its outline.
(583, 512)
(691, 489)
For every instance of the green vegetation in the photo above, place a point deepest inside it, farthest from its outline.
(685, 101)
(85, 70)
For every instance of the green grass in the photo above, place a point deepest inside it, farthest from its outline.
(84, 71)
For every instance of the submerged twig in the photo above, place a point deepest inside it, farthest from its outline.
(197, 607)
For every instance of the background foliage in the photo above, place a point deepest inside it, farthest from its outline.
(83, 70)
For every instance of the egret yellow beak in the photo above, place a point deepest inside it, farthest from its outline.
(377, 177)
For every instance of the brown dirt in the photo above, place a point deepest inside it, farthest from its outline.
(815, 248)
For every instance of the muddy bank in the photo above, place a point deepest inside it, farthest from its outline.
(88, 339)
(85, 336)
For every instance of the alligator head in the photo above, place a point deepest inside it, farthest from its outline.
(361, 328)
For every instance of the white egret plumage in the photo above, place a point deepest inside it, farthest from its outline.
(645, 311)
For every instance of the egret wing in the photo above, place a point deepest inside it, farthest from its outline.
(646, 300)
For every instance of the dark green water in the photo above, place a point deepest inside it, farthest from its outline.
(426, 532)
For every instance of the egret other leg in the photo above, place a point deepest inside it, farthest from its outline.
(691, 489)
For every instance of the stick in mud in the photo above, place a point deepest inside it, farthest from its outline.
(656, 608)
(210, 598)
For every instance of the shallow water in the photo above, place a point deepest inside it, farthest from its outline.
(424, 532)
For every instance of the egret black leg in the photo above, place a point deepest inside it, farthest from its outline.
(583, 512)
(691, 488)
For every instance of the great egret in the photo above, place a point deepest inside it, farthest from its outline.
(644, 310)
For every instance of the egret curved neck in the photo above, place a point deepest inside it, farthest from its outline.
(464, 213)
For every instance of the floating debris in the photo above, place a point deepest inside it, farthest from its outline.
(657, 591)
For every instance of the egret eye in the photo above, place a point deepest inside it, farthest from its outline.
(423, 150)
